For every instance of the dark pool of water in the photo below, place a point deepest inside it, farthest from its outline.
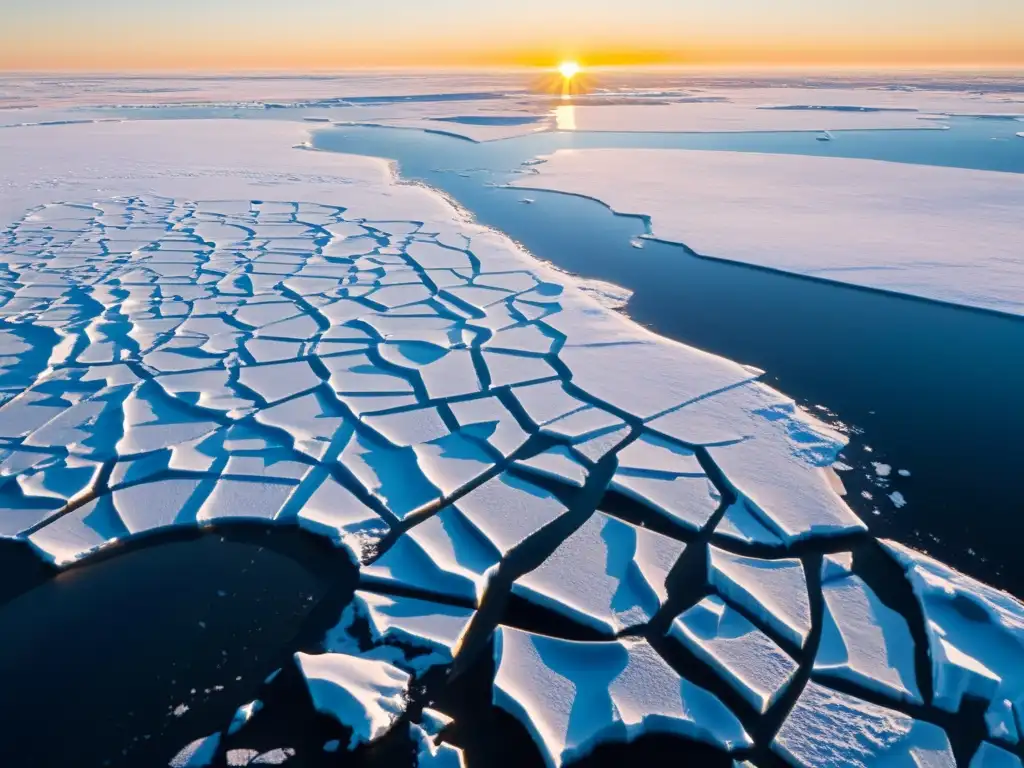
(935, 389)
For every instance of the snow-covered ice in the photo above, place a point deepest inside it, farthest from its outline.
(574, 696)
(365, 695)
(775, 591)
(743, 655)
(608, 575)
(946, 234)
(865, 642)
(828, 729)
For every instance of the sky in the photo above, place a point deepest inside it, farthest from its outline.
(223, 35)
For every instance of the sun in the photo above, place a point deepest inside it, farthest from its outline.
(569, 69)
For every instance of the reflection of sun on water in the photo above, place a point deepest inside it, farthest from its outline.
(565, 118)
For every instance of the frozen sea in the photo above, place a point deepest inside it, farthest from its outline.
(308, 465)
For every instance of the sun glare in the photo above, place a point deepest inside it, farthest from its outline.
(569, 69)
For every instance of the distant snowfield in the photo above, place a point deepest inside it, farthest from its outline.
(945, 234)
(437, 101)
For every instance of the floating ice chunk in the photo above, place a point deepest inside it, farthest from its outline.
(557, 463)
(650, 453)
(882, 470)
(865, 642)
(574, 696)
(898, 499)
(358, 374)
(523, 339)
(740, 524)
(278, 756)
(154, 506)
(608, 575)
(80, 533)
(488, 418)
(197, 754)
(507, 511)
(775, 591)
(150, 425)
(596, 448)
(391, 474)
(991, 756)
(453, 462)
(335, 512)
(444, 555)
(546, 402)
(745, 657)
(583, 424)
(243, 715)
(365, 695)
(975, 633)
(244, 500)
(452, 375)
(433, 754)
(239, 758)
(406, 428)
(277, 381)
(420, 624)
(836, 566)
(687, 500)
(827, 729)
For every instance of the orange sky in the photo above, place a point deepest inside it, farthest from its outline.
(113, 35)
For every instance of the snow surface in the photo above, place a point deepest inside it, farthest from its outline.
(975, 640)
(608, 575)
(945, 234)
(365, 695)
(828, 729)
(574, 696)
(775, 591)
(865, 642)
(743, 655)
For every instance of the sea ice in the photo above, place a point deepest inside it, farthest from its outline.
(774, 591)
(744, 656)
(365, 695)
(828, 729)
(865, 642)
(608, 575)
(975, 637)
(574, 696)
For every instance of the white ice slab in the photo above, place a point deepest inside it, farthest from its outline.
(975, 634)
(741, 654)
(574, 696)
(335, 512)
(362, 694)
(774, 591)
(865, 642)
(609, 575)
(827, 729)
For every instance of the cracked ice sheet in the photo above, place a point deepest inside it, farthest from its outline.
(946, 234)
(574, 696)
(975, 640)
(608, 575)
(828, 729)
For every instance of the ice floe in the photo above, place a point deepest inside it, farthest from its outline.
(743, 655)
(365, 695)
(608, 575)
(828, 729)
(574, 696)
